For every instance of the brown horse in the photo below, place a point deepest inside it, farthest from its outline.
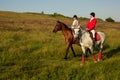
(69, 38)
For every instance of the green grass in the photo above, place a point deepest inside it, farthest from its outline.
(34, 52)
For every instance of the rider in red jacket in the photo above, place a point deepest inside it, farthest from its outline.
(91, 25)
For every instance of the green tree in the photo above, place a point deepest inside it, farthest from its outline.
(109, 20)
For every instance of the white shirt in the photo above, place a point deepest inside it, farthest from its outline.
(75, 24)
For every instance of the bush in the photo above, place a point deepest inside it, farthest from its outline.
(109, 19)
(42, 12)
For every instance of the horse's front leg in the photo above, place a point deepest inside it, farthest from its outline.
(91, 51)
(84, 54)
(67, 51)
(73, 51)
(87, 51)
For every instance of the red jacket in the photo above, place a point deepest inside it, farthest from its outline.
(91, 24)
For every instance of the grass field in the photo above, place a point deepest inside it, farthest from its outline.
(29, 50)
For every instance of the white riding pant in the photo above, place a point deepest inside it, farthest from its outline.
(93, 33)
(76, 33)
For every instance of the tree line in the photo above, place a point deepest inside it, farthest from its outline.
(109, 19)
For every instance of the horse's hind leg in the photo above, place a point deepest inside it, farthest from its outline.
(100, 52)
(73, 51)
(100, 47)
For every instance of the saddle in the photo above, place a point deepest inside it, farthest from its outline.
(97, 36)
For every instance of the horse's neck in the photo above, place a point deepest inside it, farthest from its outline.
(64, 26)
(82, 30)
(66, 31)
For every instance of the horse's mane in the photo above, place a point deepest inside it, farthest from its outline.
(83, 28)
(65, 25)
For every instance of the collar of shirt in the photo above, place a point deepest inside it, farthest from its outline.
(91, 19)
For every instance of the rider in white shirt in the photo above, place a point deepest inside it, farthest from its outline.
(75, 26)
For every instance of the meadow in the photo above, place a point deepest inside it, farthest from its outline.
(29, 50)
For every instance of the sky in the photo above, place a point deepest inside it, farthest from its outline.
(82, 8)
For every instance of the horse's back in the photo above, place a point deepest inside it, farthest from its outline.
(102, 36)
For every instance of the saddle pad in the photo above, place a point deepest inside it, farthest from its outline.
(97, 37)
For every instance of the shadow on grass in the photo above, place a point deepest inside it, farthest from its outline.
(108, 52)
(112, 52)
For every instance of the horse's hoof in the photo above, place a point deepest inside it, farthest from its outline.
(100, 60)
(65, 58)
(95, 61)
(82, 64)
(86, 56)
(75, 56)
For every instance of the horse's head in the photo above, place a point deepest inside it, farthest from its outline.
(57, 27)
